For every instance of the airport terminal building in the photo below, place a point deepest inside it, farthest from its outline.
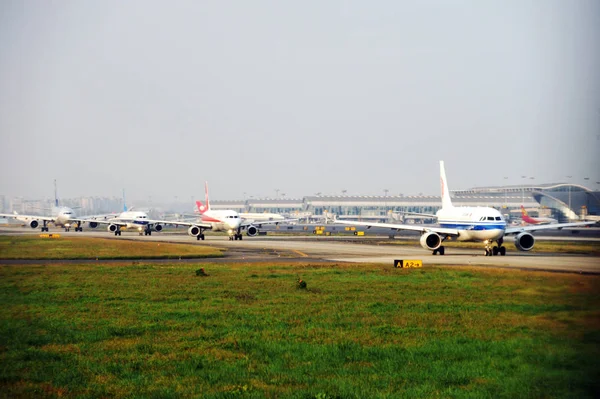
(561, 201)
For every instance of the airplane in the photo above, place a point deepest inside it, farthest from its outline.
(479, 224)
(128, 219)
(61, 216)
(225, 220)
(539, 220)
(247, 215)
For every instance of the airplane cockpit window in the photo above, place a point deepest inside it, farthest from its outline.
(498, 218)
(490, 218)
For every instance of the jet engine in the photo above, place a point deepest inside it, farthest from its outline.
(93, 225)
(33, 224)
(194, 231)
(158, 227)
(251, 230)
(431, 241)
(524, 241)
(112, 228)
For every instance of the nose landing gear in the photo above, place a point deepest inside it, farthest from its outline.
(495, 250)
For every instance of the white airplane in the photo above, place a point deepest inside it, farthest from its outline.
(61, 216)
(225, 220)
(135, 220)
(480, 224)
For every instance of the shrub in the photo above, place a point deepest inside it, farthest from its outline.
(201, 272)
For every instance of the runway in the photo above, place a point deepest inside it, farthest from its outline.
(356, 250)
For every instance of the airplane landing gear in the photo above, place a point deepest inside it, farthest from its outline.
(440, 250)
(44, 227)
(496, 250)
(200, 237)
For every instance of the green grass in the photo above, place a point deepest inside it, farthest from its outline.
(247, 331)
(35, 247)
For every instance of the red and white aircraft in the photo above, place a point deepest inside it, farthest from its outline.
(225, 220)
(539, 220)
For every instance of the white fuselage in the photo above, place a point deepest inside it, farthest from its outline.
(474, 223)
(63, 216)
(133, 219)
(222, 220)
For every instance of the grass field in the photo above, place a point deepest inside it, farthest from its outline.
(34, 247)
(245, 330)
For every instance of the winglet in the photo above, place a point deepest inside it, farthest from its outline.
(446, 201)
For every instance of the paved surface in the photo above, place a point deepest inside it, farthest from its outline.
(348, 249)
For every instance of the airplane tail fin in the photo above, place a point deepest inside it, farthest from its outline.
(523, 211)
(124, 202)
(200, 207)
(206, 206)
(55, 194)
(206, 195)
(446, 201)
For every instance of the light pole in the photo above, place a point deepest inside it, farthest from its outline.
(523, 190)
(276, 193)
(386, 191)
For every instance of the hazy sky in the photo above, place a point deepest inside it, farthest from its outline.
(309, 96)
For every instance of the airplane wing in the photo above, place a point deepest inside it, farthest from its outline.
(178, 223)
(259, 223)
(101, 221)
(520, 229)
(19, 216)
(146, 221)
(429, 215)
(410, 227)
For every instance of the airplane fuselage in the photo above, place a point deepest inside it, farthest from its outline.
(474, 223)
(63, 216)
(222, 220)
(132, 219)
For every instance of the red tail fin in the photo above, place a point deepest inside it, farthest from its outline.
(206, 206)
(206, 195)
(523, 211)
(201, 208)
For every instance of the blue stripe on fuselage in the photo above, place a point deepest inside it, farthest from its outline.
(474, 226)
(134, 221)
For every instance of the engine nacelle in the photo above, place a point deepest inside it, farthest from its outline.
(194, 231)
(112, 228)
(251, 230)
(33, 224)
(524, 241)
(158, 227)
(93, 225)
(431, 241)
